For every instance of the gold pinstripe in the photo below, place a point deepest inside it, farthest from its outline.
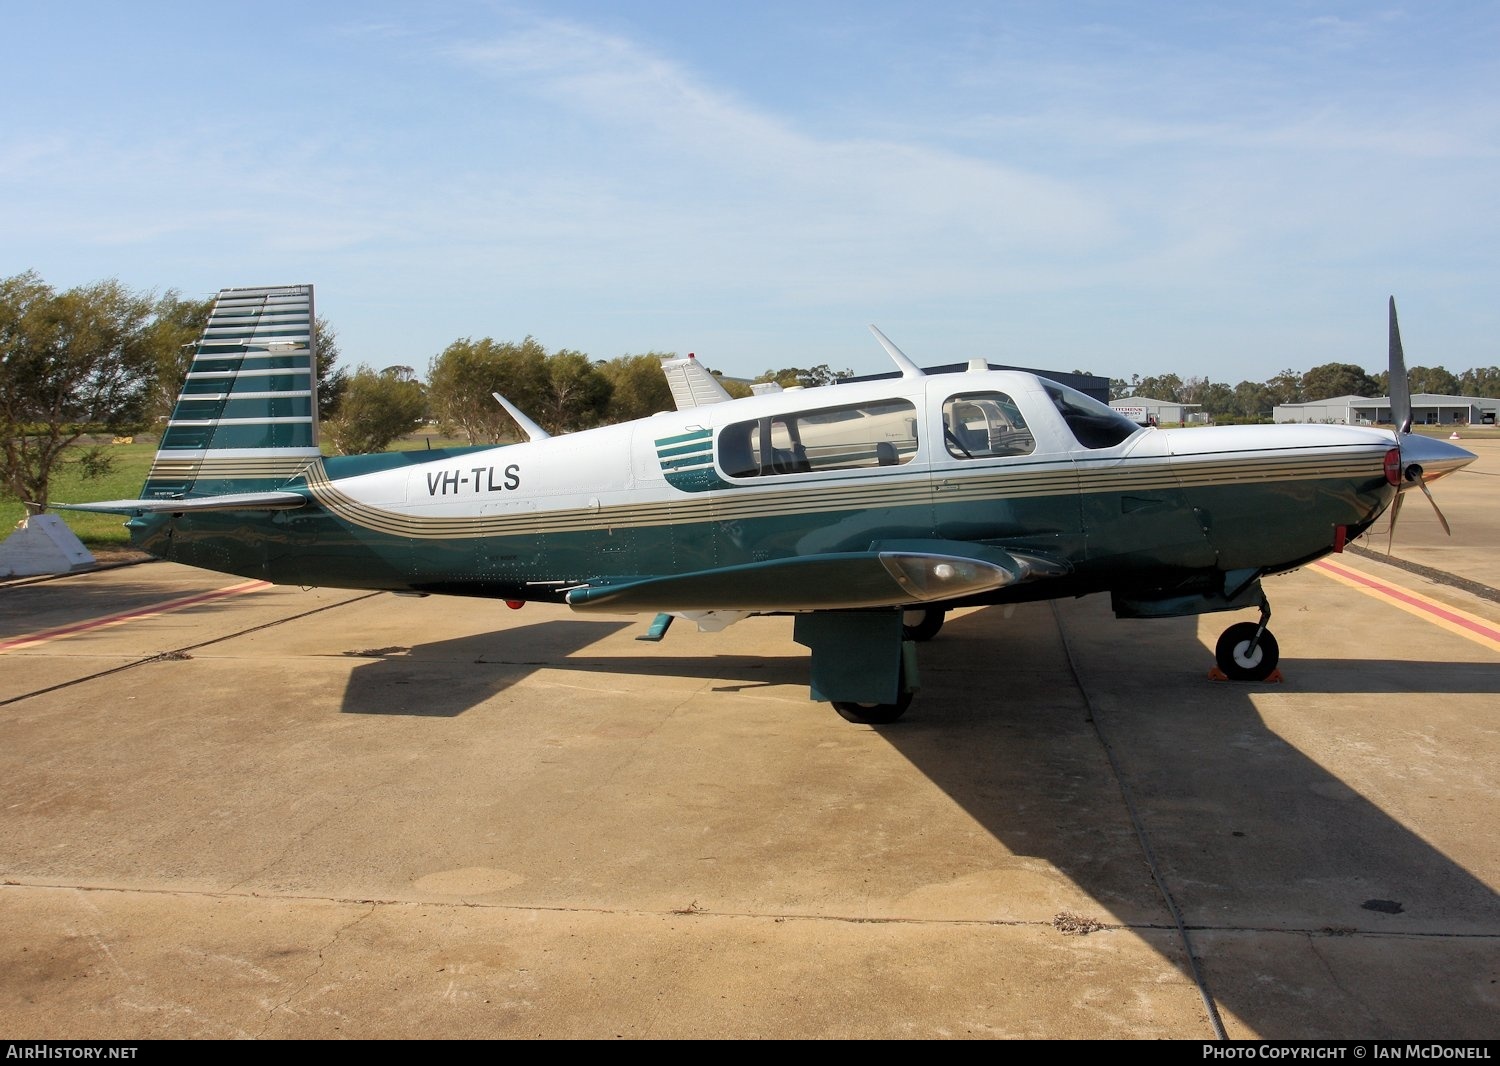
(944, 486)
(258, 467)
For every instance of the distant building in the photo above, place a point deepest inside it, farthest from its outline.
(1143, 408)
(1427, 409)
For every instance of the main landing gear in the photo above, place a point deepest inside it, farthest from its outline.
(1247, 651)
(863, 662)
(922, 623)
(876, 713)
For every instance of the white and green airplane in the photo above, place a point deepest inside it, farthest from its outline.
(865, 510)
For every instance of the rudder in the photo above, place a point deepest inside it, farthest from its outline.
(247, 417)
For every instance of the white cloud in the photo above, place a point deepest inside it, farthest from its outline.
(552, 174)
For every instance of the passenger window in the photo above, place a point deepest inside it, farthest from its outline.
(983, 425)
(880, 433)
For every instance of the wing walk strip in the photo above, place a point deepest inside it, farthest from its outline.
(1452, 619)
(30, 640)
(751, 501)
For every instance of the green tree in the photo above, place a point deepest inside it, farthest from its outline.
(461, 382)
(1192, 389)
(332, 378)
(1338, 379)
(174, 333)
(1480, 381)
(576, 395)
(638, 387)
(1253, 401)
(812, 377)
(1285, 387)
(1161, 387)
(737, 390)
(1433, 379)
(376, 409)
(71, 364)
(1216, 398)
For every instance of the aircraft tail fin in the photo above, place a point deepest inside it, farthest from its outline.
(692, 385)
(247, 418)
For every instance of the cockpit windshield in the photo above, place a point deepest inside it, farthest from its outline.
(1095, 425)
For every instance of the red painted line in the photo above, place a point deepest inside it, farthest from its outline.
(121, 617)
(1418, 603)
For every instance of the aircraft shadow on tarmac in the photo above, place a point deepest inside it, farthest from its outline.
(1248, 834)
(1249, 837)
(446, 678)
(32, 608)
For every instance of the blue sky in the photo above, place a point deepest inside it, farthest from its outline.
(1217, 190)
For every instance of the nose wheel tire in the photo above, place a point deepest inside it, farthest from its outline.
(1240, 660)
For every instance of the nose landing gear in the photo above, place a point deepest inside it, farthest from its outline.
(1247, 651)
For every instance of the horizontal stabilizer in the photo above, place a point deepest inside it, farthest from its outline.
(234, 501)
(691, 383)
(841, 581)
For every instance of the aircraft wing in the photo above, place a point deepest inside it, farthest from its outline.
(234, 501)
(886, 576)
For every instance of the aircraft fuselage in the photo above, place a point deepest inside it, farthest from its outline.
(988, 458)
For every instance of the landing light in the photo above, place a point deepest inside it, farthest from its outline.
(928, 577)
(1393, 466)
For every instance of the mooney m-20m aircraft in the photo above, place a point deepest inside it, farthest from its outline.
(863, 509)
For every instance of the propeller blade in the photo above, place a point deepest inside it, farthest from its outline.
(1416, 451)
(1436, 509)
(1400, 387)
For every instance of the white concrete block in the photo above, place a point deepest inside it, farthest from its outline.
(42, 544)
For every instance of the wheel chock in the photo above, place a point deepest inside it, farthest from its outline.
(1273, 678)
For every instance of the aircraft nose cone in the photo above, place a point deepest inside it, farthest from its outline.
(1435, 457)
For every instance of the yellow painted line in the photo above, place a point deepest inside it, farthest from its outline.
(1452, 619)
(31, 640)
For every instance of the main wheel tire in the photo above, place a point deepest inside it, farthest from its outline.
(923, 624)
(877, 713)
(1239, 661)
(873, 713)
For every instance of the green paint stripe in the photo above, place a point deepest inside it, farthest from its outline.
(697, 434)
(695, 448)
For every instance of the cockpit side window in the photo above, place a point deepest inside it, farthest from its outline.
(879, 433)
(983, 425)
(1093, 424)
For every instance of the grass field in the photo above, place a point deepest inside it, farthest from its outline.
(132, 461)
(124, 481)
